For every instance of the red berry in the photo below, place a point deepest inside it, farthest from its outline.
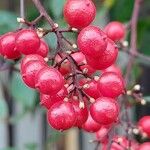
(107, 58)
(111, 84)
(49, 81)
(43, 49)
(31, 57)
(91, 125)
(81, 113)
(88, 69)
(61, 116)
(91, 41)
(115, 30)
(8, 46)
(48, 100)
(144, 125)
(91, 89)
(29, 71)
(144, 146)
(27, 41)
(104, 110)
(113, 68)
(79, 13)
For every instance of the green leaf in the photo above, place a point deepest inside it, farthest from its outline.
(21, 93)
(56, 7)
(3, 109)
(8, 21)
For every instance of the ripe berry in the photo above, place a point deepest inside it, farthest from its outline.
(144, 125)
(115, 30)
(104, 110)
(61, 116)
(107, 58)
(91, 89)
(81, 113)
(29, 71)
(91, 125)
(31, 57)
(144, 146)
(8, 46)
(91, 41)
(111, 84)
(49, 81)
(43, 49)
(48, 100)
(79, 13)
(27, 41)
(113, 68)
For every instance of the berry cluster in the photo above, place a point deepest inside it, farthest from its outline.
(78, 88)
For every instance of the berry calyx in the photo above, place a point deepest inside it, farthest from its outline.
(144, 125)
(115, 30)
(83, 8)
(43, 49)
(91, 125)
(91, 41)
(104, 110)
(81, 113)
(48, 100)
(111, 84)
(8, 46)
(49, 81)
(27, 41)
(30, 70)
(61, 116)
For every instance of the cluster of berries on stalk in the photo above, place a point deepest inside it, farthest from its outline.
(80, 88)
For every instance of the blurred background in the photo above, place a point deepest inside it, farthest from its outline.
(23, 123)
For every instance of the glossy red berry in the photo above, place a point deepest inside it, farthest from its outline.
(144, 125)
(61, 116)
(31, 57)
(79, 13)
(91, 89)
(115, 30)
(29, 71)
(48, 100)
(111, 84)
(43, 49)
(49, 81)
(113, 68)
(81, 113)
(104, 110)
(8, 46)
(144, 146)
(91, 41)
(27, 41)
(107, 58)
(91, 125)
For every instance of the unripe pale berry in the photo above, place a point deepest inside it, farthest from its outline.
(48, 100)
(49, 81)
(107, 58)
(31, 57)
(81, 113)
(91, 125)
(27, 41)
(29, 72)
(91, 41)
(8, 46)
(111, 84)
(61, 116)
(144, 125)
(115, 30)
(104, 110)
(43, 49)
(79, 13)
(144, 146)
